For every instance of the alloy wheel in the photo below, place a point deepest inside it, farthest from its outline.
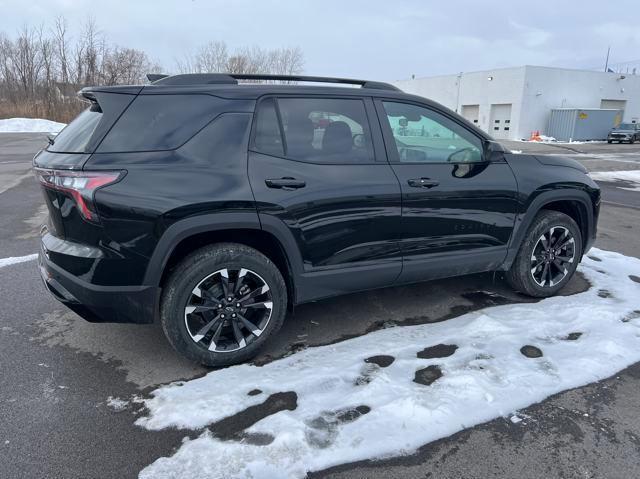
(228, 310)
(552, 256)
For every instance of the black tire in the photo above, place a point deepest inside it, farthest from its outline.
(521, 276)
(632, 141)
(609, 141)
(196, 268)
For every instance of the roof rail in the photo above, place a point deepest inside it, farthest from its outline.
(232, 79)
(345, 81)
(195, 79)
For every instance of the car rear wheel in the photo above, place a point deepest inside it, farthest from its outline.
(222, 303)
(548, 255)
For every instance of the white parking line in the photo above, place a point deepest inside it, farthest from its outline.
(16, 259)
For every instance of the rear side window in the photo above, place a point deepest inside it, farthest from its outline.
(75, 137)
(159, 122)
(316, 130)
(268, 137)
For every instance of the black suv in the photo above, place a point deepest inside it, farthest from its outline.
(215, 206)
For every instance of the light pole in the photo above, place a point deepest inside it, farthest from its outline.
(458, 93)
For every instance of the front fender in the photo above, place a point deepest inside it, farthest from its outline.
(537, 202)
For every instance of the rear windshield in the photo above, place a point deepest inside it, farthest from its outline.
(75, 137)
(159, 122)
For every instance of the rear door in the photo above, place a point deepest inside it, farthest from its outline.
(458, 208)
(320, 176)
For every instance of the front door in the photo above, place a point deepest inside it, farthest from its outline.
(318, 169)
(458, 208)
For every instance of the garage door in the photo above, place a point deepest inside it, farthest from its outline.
(614, 105)
(471, 113)
(500, 120)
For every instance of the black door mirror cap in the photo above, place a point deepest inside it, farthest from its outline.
(493, 151)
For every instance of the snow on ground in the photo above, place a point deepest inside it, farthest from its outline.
(336, 404)
(16, 259)
(30, 125)
(117, 404)
(631, 177)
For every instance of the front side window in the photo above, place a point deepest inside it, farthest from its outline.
(425, 136)
(325, 130)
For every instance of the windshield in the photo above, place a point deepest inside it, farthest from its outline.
(627, 126)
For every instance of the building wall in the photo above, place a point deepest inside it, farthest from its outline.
(455, 91)
(532, 92)
(548, 88)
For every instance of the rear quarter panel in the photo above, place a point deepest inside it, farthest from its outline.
(206, 175)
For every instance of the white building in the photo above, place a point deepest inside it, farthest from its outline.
(511, 103)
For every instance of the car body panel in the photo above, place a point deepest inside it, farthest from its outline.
(352, 227)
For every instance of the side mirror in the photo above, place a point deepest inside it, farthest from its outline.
(409, 155)
(493, 151)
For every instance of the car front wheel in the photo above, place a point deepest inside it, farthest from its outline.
(548, 256)
(222, 303)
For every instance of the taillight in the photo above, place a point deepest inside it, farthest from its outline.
(80, 185)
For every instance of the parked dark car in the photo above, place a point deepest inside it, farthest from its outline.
(215, 207)
(624, 132)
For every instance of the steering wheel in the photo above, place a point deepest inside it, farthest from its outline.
(465, 154)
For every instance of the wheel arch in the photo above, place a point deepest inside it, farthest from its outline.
(189, 234)
(574, 203)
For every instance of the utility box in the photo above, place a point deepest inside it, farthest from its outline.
(580, 124)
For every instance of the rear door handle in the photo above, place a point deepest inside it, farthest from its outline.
(423, 182)
(286, 183)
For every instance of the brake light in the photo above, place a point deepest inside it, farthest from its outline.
(80, 185)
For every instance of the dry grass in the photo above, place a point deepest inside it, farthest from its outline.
(62, 112)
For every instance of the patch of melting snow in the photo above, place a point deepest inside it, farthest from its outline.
(30, 125)
(630, 179)
(16, 259)
(338, 419)
(117, 404)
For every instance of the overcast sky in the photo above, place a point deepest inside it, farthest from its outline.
(381, 39)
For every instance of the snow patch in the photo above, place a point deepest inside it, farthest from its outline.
(16, 259)
(117, 404)
(628, 176)
(30, 125)
(338, 418)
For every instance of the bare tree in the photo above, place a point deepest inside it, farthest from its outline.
(61, 46)
(214, 57)
(42, 69)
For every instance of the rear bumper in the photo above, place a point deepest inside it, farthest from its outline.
(95, 303)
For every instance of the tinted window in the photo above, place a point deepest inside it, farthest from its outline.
(423, 135)
(159, 122)
(268, 137)
(325, 130)
(75, 137)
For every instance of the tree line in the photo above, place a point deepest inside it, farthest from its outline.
(42, 68)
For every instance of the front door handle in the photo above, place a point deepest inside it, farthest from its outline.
(286, 183)
(423, 182)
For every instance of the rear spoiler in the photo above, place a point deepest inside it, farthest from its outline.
(91, 94)
(152, 77)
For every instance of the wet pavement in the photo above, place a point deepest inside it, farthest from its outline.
(58, 371)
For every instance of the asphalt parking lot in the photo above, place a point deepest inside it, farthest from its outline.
(58, 371)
